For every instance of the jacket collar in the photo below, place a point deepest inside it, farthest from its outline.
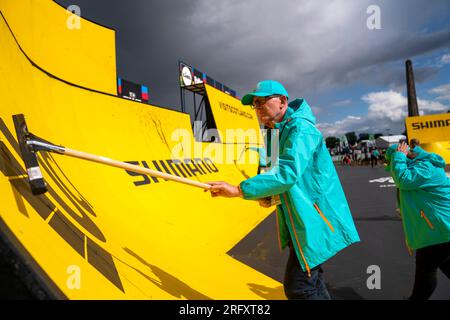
(287, 117)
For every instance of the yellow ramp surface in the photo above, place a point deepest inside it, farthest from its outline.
(101, 232)
(235, 122)
(433, 132)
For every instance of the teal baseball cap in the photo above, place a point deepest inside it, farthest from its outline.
(263, 89)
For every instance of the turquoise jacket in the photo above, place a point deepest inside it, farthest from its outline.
(314, 214)
(424, 197)
(376, 153)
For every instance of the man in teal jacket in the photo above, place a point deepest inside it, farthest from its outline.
(313, 218)
(424, 200)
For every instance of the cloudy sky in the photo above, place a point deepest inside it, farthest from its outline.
(353, 76)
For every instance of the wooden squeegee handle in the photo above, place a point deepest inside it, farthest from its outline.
(134, 168)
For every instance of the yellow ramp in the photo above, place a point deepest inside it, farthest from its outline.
(100, 232)
(433, 132)
(83, 54)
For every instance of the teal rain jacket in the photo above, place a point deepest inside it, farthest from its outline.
(424, 196)
(314, 213)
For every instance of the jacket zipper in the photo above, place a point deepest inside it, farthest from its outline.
(409, 249)
(308, 270)
(422, 214)
(323, 217)
(278, 229)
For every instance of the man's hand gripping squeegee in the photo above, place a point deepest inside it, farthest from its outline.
(31, 144)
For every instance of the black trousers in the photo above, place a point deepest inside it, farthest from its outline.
(428, 260)
(297, 284)
(373, 160)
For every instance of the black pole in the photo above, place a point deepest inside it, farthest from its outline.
(413, 109)
(182, 99)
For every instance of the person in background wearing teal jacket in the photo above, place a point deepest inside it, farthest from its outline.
(424, 198)
(313, 216)
(374, 157)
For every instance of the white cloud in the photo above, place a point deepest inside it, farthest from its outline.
(431, 106)
(445, 58)
(386, 113)
(442, 91)
(339, 127)
(386, 105)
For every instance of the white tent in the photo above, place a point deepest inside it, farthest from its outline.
(384, 142)
(366, 144)
(343, 142)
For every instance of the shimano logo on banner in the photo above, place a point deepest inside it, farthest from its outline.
(430, 124)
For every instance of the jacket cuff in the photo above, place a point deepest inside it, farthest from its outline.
(398, 156)
(244, 189)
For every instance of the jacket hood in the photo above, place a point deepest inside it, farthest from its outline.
(388, 156)
(435, 159)
(301, 109)
(422, 155)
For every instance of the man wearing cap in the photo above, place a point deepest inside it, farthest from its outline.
(424, 200)
(313, 218)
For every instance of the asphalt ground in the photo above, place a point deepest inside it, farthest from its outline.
(16, 280)
(373, 206)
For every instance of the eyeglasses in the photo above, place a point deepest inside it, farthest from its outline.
(259, 102)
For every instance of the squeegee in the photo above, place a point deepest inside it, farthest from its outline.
(30, 144)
